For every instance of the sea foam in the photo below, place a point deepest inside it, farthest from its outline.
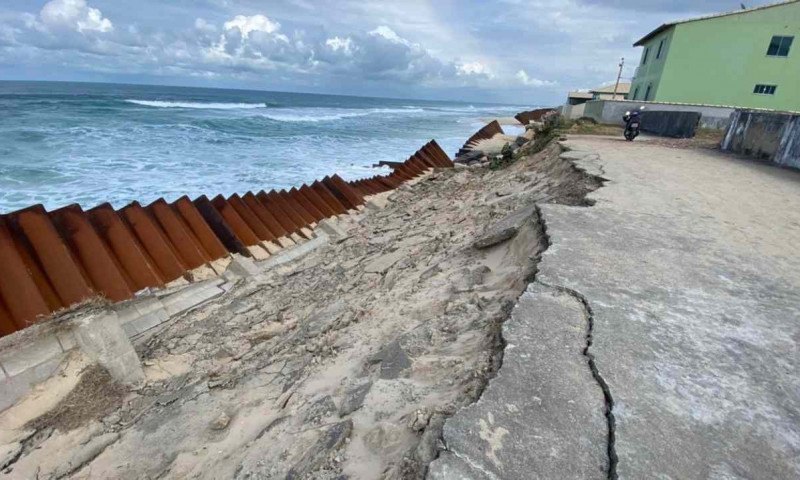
(197, 105)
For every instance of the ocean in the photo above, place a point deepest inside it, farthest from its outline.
(63, 143)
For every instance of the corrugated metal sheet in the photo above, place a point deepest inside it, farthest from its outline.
(53, 260)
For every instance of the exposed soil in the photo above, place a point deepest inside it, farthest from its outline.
(343, 364)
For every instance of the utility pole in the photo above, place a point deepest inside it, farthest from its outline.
(619, 75)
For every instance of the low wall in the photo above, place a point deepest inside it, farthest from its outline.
(670, 124)
(769, 136)
(611, 111)
(573, 112)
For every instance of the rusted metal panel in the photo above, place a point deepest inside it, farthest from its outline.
(266, 217)
(490, 130)
(201, 229)
(236, 223)
(154, 241)
(7, 325)
(220, 227)
(126, 248)
(355, 197)
(18, 290)
(52, 253)
(103, 270)
(437, 150)
(417, 164)
(318, 202)
(301, 216)
(426, 160)
(252, 220)
(328, 197)
(307, 204)
(275, 207)
(291, 214)
(188, 246)
(532, 115)
(297, 202)
(341, 196)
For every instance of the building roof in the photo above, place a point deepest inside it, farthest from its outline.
(667, 26)
(622, 89)
(579, 94)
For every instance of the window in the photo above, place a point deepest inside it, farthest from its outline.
(779, 46)
(660, 46)
(647, 92)
(765, 89)
(644, 56)
(635, 92)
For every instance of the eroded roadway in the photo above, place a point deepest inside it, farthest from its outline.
(686, 272)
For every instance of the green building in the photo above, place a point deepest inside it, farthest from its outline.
(747, 58)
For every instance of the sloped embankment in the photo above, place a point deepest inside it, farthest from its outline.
(343, 364)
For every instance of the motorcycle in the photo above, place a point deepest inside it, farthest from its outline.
(632, 125)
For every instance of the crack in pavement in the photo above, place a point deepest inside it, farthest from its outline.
(613, 459)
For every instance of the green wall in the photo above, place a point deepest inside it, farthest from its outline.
(719, 61)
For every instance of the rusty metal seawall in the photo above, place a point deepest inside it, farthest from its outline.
(532, 115)
(51, 260)
(488, 131)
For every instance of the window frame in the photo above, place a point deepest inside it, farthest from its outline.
(660, 48)
(783, 41)
(647, 92)
(645, 55)
(764, 89)
(635, 92)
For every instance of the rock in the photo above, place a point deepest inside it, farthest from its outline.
(504, 229)
(520, 141)
(320, 409)
(420, 420)
(427, 449)
(384, 262)
(82, 455)
(318, 453)
(9, 454)
(354, 398)
(221, 422)
(507, 152)
(469, 156)
(393, 360)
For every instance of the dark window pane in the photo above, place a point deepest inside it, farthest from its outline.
(774, 45)
(660, 46)
(647, 93)
(644, 58)
(783, 50)
(755, 89)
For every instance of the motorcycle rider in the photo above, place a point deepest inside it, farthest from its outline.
(632, 115)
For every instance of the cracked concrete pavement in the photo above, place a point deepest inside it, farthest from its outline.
(687, 267)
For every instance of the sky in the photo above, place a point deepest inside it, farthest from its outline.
(506, 51)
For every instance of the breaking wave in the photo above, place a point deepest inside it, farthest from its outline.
(197, 105)
(326, 115)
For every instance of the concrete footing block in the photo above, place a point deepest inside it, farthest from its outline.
(101, 337)
(191, 297)
(285, 242)
(241, 267)
(271, 247)
(332, 229)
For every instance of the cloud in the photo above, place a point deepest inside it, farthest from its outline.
(474, 68)
(528, 81)
(256, 23)
(74, 15)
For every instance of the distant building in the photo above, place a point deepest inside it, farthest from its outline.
(602, 93)
(747, 58)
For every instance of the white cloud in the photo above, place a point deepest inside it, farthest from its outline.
(74, 15)
(255, 23)
(529, 81)
(474, 68)
(389, 34)
(338, 44)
